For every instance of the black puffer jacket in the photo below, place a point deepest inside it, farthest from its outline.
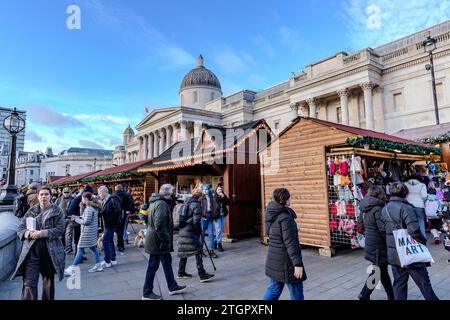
(401, 213)
(284, 246)
(375, 249)
(159, 239)
(188, 237)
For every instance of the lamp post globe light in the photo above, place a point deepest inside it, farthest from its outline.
(14, 124)
(429, 45)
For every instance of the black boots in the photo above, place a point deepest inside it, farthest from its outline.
(220, 247)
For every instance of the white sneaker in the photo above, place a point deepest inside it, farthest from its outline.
(69, 271)
(114, 262)
(97, 268)
(104, 264)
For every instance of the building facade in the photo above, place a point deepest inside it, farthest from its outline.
(386, 89)
(28, 167)
(74, 161)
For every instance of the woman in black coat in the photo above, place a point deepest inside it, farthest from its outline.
(284, 263)
(375, 243)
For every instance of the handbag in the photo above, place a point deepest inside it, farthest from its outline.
(409, 250)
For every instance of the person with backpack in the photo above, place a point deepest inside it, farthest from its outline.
(111, 213)
(63, 202)
(210, 212)
(21, 204)
(127, 206)
(189, 244)
(219, 222)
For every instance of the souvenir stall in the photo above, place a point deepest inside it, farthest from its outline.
(327, 168)
(139, 185)
(205, 160)
(352, 170)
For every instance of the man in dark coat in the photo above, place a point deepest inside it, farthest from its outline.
(73, 229)
(111, 213)
(399, 213)
(189, 237)
(159, 243)
(63, 202)
(375, 243)
(127, 206)
(284, 264)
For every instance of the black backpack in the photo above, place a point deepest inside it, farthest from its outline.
(183, 215)
(20, 206)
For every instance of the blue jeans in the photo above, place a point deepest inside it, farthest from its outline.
(125, 233)
(80, 253)
(420, 213)
(108, 245)
(218, 224)
(208, 224)
(275, 289)
(420, 277)
(153, 265)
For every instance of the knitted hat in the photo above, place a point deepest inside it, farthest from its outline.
(88, 188)
(66, 189)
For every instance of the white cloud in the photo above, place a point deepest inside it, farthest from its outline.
(396, 19)
(100, 117)
(48, 117)
(33, 136)
(264, 45)
(136, 31)
(232, 62)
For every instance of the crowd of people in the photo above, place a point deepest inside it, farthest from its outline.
(76, 219)
(408, 207)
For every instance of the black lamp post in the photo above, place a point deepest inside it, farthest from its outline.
(430, 45)
(14, 124)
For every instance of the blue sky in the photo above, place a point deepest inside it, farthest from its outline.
(83, 87)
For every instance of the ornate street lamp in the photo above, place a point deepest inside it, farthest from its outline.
(429, 46)
(14, 124)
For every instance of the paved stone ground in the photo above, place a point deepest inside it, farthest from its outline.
(239, 276)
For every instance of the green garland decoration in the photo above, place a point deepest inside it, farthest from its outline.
(436, 139)
(108, 177)
(390, 146)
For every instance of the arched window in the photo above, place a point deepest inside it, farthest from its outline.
(212, 95)
(182, 99)
(195, 97)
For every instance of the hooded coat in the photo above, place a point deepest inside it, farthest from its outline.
(89, 225)
(54, 229)
(375, 249)
(188, 236)
(399, 212)
(417, 193)
(284, 247)
(159, 238)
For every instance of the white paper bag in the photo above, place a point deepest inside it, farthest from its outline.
(409, 250)
(31, 224)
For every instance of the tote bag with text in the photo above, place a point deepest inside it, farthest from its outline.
(409, 250)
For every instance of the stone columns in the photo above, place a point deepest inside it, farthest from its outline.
(183, 130)
(175, 134)
(343, 95)
(368, 104)
(162, 138)
(145, 157)
(150, 146)
(169, 133)
(197, 129)
(155, 144)
(294, 108)
(312, 107)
